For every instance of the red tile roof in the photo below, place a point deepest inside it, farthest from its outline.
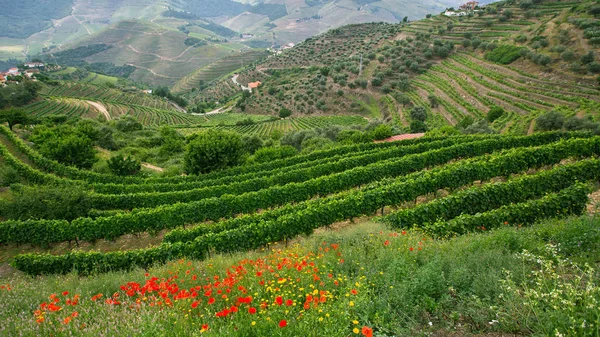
(254, 85)
(402, 137)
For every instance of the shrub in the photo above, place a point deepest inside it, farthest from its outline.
(418, 126)
(418, 113)
(549, 121)
(65, 145)
(381, 132)
(495, 113)
(213, 150)
(285, 112)
(44, 202)
(480, 127)
(124, 166)
(267, 154)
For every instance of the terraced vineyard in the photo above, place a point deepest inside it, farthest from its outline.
(217, 212)
(217, 70)
(267, 127)
(469, 86)
(103, 94)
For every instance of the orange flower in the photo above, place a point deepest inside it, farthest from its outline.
(386, 243)
(282, 323)
(367, 332)
(354, 292)
(67, 320)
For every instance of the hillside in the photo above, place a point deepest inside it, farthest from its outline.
(75, 23)
(415, 64)
(448, 218)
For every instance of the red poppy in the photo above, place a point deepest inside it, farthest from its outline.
(252, 310)
(279, 300)
(195, 304)
(354, 292)
(65, 293)
(211, 300)
(386, 243)
(411, 249)
(367, 332)
(282, 323)
(289, 302)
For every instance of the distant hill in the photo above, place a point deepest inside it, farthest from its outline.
(25, 32)
(523, 57)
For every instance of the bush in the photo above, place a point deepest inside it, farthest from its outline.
(417, 126)
(13, 117)
(504, 54)
(418, 113)
(296, 138)
(124, 166)
(285, 112)
(65, 145)
(480, 127)
(495, 113)
(268, 154)
(381, 132)
(252, 143)
(549, 121)
(44, 202)
(128, 124)
(213, 150)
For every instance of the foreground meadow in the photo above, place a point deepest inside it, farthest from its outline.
(361, 280)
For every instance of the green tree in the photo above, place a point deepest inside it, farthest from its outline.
(252, 143)
(418, 113)
(285, 112)
(381, 132)
(124, 166)
(549, 121)
(495, 113)
(65, 145)
(417, 126)
(213, 150)
(14, 116)
(433, 101)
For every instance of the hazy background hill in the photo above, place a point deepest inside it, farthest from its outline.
(153, 43)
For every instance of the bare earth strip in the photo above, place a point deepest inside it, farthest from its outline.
(100, 108)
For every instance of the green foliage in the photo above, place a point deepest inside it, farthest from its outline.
(494, 113)
(66, 145)
(504, 54)
(127, 124)
(549, 121)
(18, 94)
(479, 127)
(417, 126)
(252, 143)
(324, 211)
(418, 114)
(433, 216)
(269, 154)
(46, 202)
(381, 132)
(13, 117)
(284, 113)
(124, 166)
(213, 150)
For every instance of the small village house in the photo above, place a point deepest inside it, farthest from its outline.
(469, 6)
(254, 85)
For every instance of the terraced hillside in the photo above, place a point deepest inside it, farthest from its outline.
(527, 59)
(217, 212)
(266, 128)
(225, 66)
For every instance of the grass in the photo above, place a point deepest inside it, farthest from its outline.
(362, 276)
